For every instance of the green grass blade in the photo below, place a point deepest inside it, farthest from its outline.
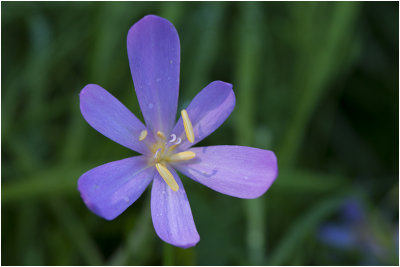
(76, 231)
(302, 227)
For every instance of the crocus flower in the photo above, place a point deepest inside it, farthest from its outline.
(353, 232)
(154, 59)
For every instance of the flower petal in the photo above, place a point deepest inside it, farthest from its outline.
(171, 214)
(154, 58)
(207, 111)
(111, 118)
(338, 236)
(111, 188)
(237, 171)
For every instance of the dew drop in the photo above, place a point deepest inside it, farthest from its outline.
(158, 80)
(171, 61)
(126, 199)
(151, 105)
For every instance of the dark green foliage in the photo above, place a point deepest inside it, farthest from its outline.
(316, 82)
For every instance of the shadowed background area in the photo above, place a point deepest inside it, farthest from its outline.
(317, 83)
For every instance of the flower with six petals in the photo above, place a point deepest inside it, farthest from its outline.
(107, 190)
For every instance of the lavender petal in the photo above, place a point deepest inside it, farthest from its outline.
(171, 214)
(154, 59)
(207, 111)
(109, 189)
(238, 171)
(111, 118)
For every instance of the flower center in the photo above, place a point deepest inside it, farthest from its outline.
(162, 151)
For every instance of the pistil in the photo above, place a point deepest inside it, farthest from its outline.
(162, 151)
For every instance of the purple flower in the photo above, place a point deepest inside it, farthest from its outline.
(354, 232)
(154, 59)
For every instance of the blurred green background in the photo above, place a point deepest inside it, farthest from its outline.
(317, 83)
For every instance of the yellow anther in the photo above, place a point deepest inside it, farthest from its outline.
(143, 135)
(181, 156)
(167, 176)
(188, 126)
(161, 135)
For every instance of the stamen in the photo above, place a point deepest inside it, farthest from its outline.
(188, 126)
(161, 135)
(173, 138)
(181, 156)
(167, 176)
(143, 135)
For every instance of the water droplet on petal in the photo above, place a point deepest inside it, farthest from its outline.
(151, 105)
(126, 199)
(171, 61)
(158, 80)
